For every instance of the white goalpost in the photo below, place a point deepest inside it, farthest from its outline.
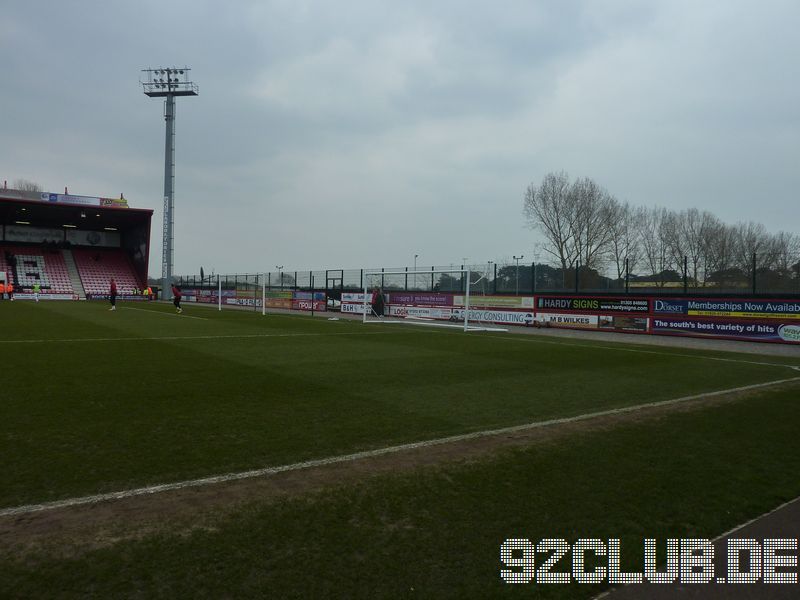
(374, 279)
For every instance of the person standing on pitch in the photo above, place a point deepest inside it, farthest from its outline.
(176, 297)
(377, 302)
(36, 289)
(112, 294)
(373, 303)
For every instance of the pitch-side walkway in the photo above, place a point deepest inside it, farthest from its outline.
(783, 523)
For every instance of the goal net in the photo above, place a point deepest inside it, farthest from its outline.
(425, 308)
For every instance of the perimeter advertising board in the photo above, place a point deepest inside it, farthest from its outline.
(479, 301)
(287, 299)
(739, 309)
(768, 320)
(623, 323)
(593, 304)
(564, 320)
(739, 330)
(508, 310)
(410, 299)
(304, 301)
(206, 296)
(503, 317)
(278, 300)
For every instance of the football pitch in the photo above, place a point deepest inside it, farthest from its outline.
(97, 402)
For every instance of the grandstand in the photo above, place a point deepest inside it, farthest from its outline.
(96, 266)
(31, 265)
(71, 246)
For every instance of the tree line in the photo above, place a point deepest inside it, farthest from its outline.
(586, 227)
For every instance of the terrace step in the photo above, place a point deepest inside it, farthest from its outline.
(74, 276)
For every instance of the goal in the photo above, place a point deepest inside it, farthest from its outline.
(459, 317)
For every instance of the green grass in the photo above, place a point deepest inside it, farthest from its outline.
(436, 533)
(95, 401)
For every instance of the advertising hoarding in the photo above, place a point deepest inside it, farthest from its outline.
(593, 304)
(33, 235)
(480, 301)
(568, 320)
(78, 237)
(623, 323)
(731, 308)
(733, 329)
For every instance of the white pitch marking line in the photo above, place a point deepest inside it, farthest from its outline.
(622, 348)
(167, 487)
(161, 312)
(196, 337)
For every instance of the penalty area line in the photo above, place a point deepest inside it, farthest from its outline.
(268, 471)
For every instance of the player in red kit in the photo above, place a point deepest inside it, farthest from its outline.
(176, 297)
(112, 294)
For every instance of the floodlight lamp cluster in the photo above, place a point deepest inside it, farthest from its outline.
(161, 81)
(171, 80)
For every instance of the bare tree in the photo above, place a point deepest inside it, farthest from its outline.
(688, 236)
(594, 209)
(549, 208)
(719, 247)
(785, 251)
(583, 224)
(625, 243)
(27, 186)
(654, 235)
(750, 239)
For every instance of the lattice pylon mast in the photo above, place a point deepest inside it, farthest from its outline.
(167, 250)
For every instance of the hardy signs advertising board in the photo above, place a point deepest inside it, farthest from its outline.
(593, 304)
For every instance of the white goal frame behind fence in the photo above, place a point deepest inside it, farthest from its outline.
(367, 307)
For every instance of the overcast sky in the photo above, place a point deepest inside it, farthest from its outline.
(357, 134)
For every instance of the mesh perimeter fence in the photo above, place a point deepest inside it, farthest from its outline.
(509, 277)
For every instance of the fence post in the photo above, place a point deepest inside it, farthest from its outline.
(754, 273)
(627, 276)
(533, 277)
(685, 275)
(431, 279)
(577, 277)
(406, 285)
(494, 284)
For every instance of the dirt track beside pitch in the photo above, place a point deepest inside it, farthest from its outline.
(67, 531)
